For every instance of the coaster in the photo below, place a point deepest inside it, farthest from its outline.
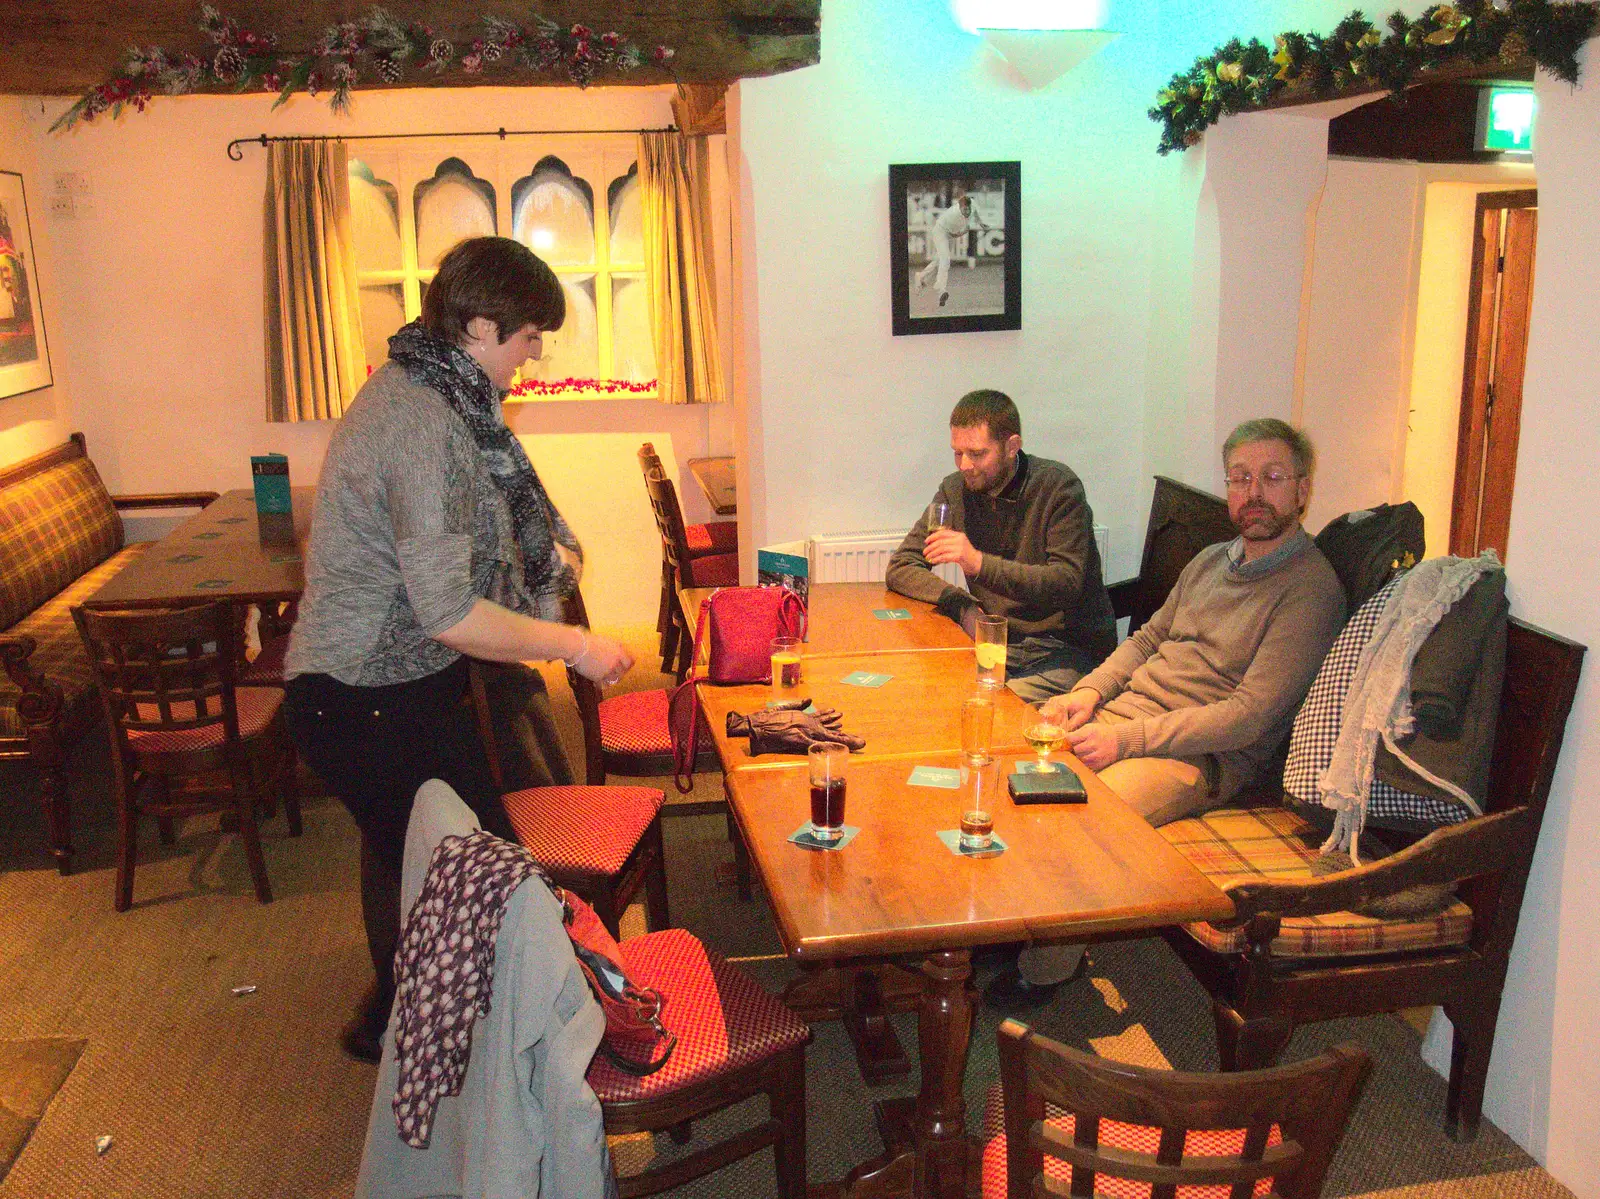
(212, 584)
(952, 841)
(947, 777)
(180, 559)
(805, 839)
(206, 536)
(231, 520)
(1033, 766)
(891, 613)
(865, 678)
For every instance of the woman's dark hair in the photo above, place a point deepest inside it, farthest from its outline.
(497, 278)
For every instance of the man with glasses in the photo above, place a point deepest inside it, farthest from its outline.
(1194, 706)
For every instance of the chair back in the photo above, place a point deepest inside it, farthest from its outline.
(669, 520)
(1183, 521)
(1308, 1104)
(164, 671)
(586, 692)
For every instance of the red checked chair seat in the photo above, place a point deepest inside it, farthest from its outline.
(715, 537)
(636, 723)
(585, 830)
(256, 705)
(1238, 844)
(1114, 1134)
(713, 570)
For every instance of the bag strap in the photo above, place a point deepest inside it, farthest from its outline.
(633, 1066)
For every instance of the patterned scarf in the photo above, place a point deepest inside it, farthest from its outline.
(449, 370)
(444, 968)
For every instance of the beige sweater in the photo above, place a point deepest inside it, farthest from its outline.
(1221, 668)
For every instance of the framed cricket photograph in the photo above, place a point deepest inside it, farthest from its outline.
(955, 246)
(24, 356)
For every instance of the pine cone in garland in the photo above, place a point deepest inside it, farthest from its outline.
(1514, 48)
(440, 52)
(228, 64)
(389, 70)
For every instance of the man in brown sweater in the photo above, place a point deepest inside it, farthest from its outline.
(1195, 705)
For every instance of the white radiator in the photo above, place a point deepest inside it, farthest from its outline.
(864, 557)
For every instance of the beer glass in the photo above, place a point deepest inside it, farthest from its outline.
(989, 640)
(827, 764)
(785, 668)
(977, 728)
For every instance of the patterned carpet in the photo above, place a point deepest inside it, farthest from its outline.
(209, 1094)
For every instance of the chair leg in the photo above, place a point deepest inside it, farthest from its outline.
(167, 831)
(787, 1098)
(127, 840)
(605, 907)
(685, 653)
(1252, 1044)
(741, 857)
(247, 799)
(1471, 1039)
(655, 881)
(291, 792)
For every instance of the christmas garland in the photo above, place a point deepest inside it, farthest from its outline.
(556, 387)
(1241, 76)
(373, 48)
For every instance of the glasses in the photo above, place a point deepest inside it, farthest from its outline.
(1240, 480)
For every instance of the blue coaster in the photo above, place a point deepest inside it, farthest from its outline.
(806, 839)
(947, 777)
(952, 841)
(865, 678)
(1032, 766)
(891, 613)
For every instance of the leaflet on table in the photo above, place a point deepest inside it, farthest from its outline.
(785, 564)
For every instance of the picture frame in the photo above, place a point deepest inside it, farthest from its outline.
(24, 350)
(955, 246)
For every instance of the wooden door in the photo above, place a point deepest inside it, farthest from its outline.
(1491, 388)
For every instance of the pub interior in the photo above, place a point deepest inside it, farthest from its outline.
(1310, 259)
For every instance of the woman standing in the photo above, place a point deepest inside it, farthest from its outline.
(432, 541)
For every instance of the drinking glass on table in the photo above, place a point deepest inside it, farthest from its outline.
(785, 668)
(979, 782)
(938, 515)
(989, 641)
(1044, 735)
(977, 728)
(827, 762)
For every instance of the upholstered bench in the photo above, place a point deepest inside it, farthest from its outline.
(61, 539)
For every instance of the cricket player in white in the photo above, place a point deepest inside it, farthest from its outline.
(954, 222)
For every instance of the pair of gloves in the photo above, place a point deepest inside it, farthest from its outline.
(789, 729)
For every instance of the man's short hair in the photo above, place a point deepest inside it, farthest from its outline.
(1270, 428)
(987, 407)
(496, 278)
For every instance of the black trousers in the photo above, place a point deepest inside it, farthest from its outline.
(373, 747)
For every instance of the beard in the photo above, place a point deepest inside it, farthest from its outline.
(1263, 522)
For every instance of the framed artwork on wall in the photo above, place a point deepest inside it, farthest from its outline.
(24, 355)
(955, 246)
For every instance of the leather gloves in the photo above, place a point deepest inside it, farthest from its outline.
(787, 730)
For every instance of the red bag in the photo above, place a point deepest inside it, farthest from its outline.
(636, 1042)
(741, 623)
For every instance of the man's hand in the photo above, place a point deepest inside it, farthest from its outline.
(951, 545)
(1072, 710)
(1095, 745)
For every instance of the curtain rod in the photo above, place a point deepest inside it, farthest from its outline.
(236, 146)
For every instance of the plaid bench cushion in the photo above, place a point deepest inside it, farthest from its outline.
(55, 526)
(1235, 844)
(60, 656)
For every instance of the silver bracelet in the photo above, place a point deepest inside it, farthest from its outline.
(582, 653)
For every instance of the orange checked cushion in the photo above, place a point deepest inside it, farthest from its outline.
(723, 1018)
(582, 830)
(714, 570)
(635, 722)
(1114, 1134)
(718, 537)
(257, 707)
(1237, 844)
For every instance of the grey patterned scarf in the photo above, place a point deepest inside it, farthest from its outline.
(449, 370)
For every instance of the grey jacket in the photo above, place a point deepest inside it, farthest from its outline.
(526, 1123)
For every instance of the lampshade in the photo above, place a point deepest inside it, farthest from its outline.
(1041, 56)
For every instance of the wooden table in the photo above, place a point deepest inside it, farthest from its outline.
(840, 621)
(222, 552)
(716, 479)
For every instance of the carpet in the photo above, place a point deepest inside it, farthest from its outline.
(31, 1072)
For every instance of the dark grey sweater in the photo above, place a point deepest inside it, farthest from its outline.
(1041, 567)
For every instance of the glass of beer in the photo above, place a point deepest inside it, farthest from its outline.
(785, 668)
(938, 515)
(989, 640)
(979, 781)
(827, 762)
(977, 728)
(1044, 735)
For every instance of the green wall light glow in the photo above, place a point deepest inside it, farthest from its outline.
(1509, 128)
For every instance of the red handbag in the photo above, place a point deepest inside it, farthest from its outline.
(741, 623)
(636, 1042)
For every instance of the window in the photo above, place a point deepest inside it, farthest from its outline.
(573, 201)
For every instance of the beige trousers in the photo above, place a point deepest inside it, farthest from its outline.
(1159, 789)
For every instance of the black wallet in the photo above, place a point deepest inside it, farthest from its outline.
(1060, 785)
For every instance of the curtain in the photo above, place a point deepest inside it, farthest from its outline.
(679, 269)
(315, 356)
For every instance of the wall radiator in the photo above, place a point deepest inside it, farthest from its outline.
(863, 557)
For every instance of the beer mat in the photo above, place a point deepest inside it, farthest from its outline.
(212, 584)
(1034, 766)
(948, 777)
(891, 613)
(952, 841)
(865, 678)
(806, 839)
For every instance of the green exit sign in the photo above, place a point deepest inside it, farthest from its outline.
(1508, 120)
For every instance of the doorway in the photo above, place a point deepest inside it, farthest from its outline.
(1499, 301)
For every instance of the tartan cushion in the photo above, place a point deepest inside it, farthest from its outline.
(714, 570)
(257, 707)
(635, 722)
(1235, 844)
(582, 830)
(55, 526)
(1316, 730)
(59, 656)
(717, 537)
(723, 1018)
(1114, 1134)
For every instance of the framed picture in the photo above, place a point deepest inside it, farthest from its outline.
(955, 246)
(24, 355)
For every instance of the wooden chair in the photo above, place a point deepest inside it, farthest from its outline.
(1101, 1120)
(1183, 521)
(714, 539)
(681, 567)
(602, 842)
(167, 683)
